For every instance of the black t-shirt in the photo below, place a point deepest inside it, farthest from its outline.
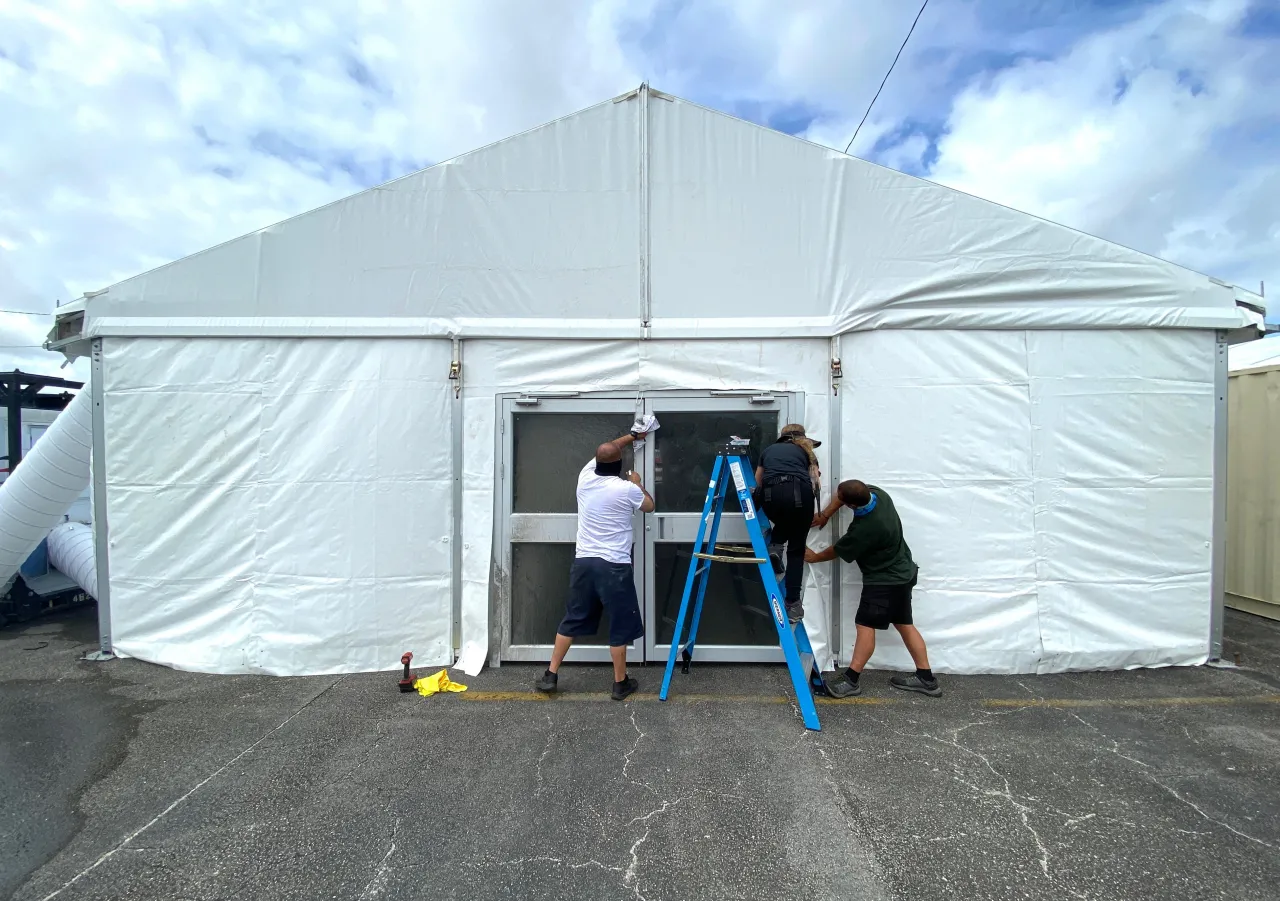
(875, 541)
(784, 458)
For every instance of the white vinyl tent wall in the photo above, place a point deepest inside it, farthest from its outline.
(295, 483)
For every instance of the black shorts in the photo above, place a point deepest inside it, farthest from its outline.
(885, 605)
(596, 585)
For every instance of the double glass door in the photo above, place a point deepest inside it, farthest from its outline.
(547, 440)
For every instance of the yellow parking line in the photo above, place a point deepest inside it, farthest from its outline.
(682, 698)
(1131, 702)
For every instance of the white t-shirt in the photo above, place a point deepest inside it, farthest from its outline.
(605, 507)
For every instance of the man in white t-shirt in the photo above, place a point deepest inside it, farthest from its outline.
(602, 577)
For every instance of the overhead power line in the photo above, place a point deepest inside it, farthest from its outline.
(27, 312)
(886, 77)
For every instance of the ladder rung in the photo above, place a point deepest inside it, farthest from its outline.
(721, 558)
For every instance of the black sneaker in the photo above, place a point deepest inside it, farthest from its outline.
(776, 558)
(915, 683)
(795, 613)
(548, 682)
(624, 689)
(839, 686)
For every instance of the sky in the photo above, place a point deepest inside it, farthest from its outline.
(135, 132)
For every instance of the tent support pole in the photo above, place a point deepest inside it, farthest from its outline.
(98, 473)
(1217, 601)
(456, 428)
(835, 617)
(642, 114)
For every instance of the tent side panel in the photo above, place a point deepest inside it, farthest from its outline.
(942, 422)
(1253, 493)
(1056, 489)
(1124, 435)
(280, 506)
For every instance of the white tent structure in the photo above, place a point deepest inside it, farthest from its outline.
(355, 433)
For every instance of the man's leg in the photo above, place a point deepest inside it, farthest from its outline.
(550, 679)
(619, 656)
(845, 684)
(581, 617)
(864, 645)
(626, 625)
(922, 680)
(563, 643)
(873, 614)
(914, 641)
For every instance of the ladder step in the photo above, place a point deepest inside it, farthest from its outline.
(722, 558)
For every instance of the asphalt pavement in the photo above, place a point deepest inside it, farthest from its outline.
(127, 780)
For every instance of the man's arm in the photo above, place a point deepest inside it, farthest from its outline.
(630, 438)
(620, 443)
(820, 521)
(648, 506)
(811, 556)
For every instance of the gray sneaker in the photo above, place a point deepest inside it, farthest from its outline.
(839, 686)
(915, 683)
(548, 683)
(795, 613)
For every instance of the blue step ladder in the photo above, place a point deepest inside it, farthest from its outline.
(733, 466)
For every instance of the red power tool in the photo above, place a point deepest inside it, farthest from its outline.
(406, 683)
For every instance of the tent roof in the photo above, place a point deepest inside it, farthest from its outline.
(647, 215)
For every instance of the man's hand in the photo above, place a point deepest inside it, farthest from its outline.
(820, 521)
(823, 556)
(648, 506)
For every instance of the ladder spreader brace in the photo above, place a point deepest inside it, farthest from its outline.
(733, 465)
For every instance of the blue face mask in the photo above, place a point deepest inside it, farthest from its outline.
(866, 508)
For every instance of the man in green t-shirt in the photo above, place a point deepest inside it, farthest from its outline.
(874, 540)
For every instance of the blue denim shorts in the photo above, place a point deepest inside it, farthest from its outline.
(596, 585)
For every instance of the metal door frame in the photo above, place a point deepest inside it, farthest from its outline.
(658, 526)
(534, 528)
(648, 527)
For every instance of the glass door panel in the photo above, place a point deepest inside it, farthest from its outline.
(548, 441)
(736, 625)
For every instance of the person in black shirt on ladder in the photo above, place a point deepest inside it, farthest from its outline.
(787, 477)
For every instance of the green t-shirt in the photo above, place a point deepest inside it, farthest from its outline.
(875, 542)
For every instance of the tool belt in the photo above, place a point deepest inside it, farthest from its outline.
(780, 489)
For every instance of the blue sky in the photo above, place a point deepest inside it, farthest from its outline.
(140, 132)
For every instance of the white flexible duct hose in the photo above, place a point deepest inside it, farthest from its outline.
(71, 553)
(38, 492)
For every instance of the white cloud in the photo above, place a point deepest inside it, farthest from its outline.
(1138, 135)
(137, 132)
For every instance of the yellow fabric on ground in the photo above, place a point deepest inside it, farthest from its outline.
(429, 685)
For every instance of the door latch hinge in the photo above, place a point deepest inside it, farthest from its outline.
(455, 376)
